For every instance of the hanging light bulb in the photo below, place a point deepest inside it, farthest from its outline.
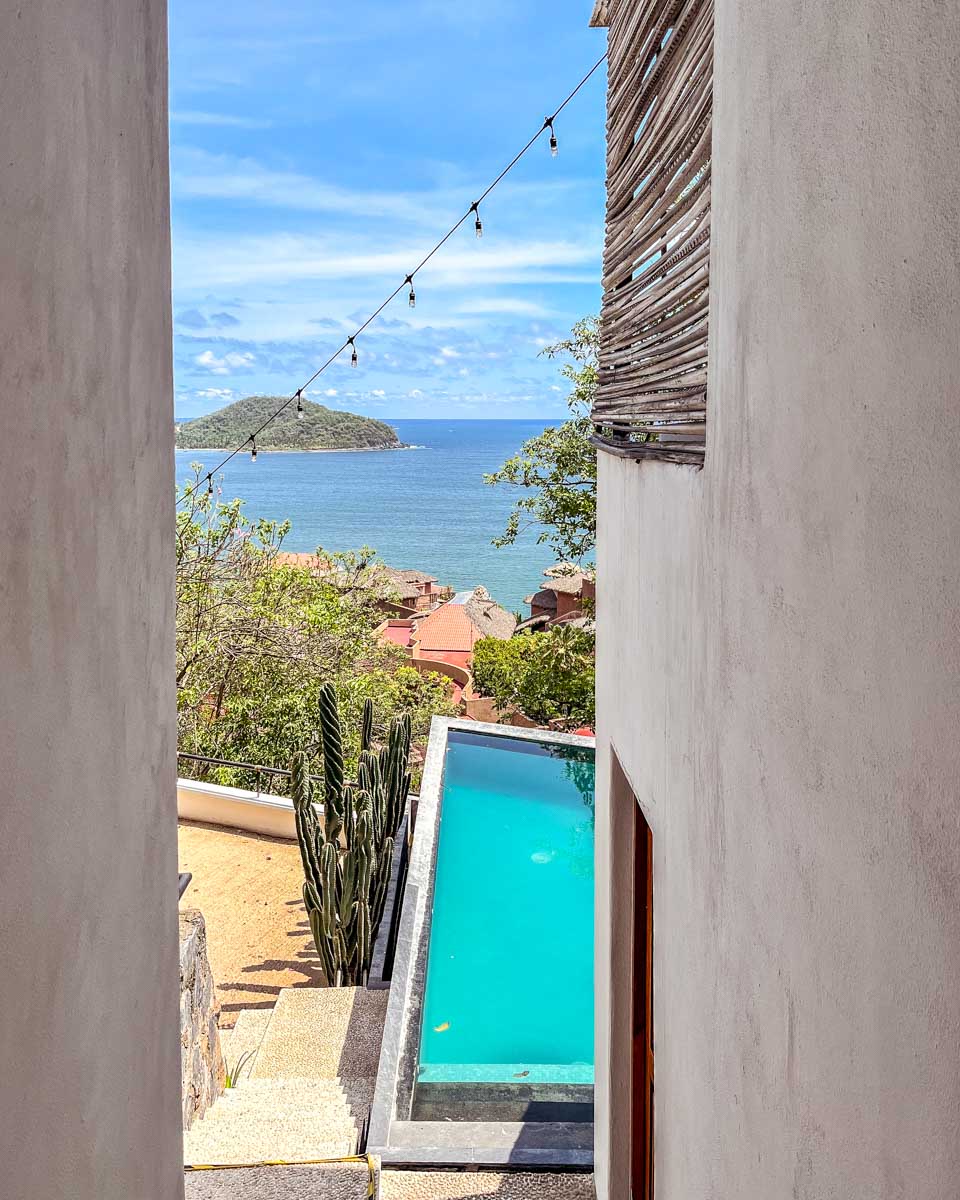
(353, 357)
(300, 404)
(209, 485)
(478, 224)
(253, 448)
(554, 145)
(412, 298)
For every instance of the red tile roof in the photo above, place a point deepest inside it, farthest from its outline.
(447, 628)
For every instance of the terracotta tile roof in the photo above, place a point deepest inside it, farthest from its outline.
(447, 628)
(465, 619)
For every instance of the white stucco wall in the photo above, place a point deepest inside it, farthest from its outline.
(89, 1047)
(779, 641)
(236, 808)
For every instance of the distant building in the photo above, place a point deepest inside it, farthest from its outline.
(449, 633)
(412, 590)
(417, 590)
(566, 595)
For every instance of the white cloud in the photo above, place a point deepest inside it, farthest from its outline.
(200, 174)
(330, 392)
(208, 261)
(378, 392)
(232, 361)
(215, 393)
(449, 352)
(197, 174)
(507, 305)
(221, 119)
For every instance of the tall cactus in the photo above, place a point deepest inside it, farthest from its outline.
(347, 858)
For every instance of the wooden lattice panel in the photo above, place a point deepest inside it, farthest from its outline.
(652, 394)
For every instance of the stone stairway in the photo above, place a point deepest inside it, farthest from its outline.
(305, 1094)
(306, 1090)
(245, 1037)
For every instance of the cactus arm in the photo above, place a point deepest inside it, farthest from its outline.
(331, 739)
(366, 730)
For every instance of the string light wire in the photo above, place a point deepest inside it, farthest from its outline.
(407, 281)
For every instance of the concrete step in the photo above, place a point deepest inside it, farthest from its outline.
(323, 1033)
(269, 1120)
(478, 1185)
(336, 1181)
(245, 1037)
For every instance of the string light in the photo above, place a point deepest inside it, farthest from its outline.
(554, 144)
(209, 485)
(412, 297)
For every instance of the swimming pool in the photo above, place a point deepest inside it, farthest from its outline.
(487, 1053)
(509, 992)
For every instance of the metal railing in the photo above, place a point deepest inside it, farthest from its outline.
(256, 769)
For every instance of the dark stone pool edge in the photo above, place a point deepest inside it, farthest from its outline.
(392, 1135)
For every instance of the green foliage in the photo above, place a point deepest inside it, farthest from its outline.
(558, 468)
(549, 676)
(347, 858)
(320, 428)
(232, 1077)
(257, 638)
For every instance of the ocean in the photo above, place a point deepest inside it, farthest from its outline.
(426, 508)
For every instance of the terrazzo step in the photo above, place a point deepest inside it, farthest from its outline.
(336, 1181)
(268, 1120)
(245, 1037)
(477, 1185)
(323, 1033)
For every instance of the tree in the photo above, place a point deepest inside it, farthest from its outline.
(558, 468)
(257, 637)
(549, 676)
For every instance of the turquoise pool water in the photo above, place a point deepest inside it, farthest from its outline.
(509, 992)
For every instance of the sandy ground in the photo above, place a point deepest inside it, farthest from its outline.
(248, 889)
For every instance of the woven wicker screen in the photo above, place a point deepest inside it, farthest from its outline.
(652, 394)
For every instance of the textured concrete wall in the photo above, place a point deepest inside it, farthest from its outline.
(89, 1048)
(779, 640)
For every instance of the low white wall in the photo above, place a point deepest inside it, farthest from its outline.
(235, 808)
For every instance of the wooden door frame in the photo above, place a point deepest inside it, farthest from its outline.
(641, 1019)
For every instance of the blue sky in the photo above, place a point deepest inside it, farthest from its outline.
(318, 149)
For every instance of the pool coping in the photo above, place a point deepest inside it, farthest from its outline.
(392, 1135)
